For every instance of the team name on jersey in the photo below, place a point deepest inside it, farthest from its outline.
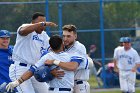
(35, 37)
(129, 58)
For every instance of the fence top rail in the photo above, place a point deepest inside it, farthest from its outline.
(69, 1)
(97, 30)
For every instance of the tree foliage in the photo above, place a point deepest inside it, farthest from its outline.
(85, 16)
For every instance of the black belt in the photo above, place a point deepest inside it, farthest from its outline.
(23, 64)
(79, 81)
(60, 89)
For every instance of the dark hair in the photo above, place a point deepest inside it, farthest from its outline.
(69, 28)
(55, 42)
(36, 15)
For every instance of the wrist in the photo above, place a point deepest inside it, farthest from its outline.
(20, 80)
(43, 23)
(56, 62)
(16, 83)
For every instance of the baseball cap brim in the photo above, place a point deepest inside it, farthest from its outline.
(4, 36)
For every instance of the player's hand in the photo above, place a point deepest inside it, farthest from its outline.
(49, 62)
(12, 85)
(50, 24)
(133, 69)
(57, 73)
(116, 70)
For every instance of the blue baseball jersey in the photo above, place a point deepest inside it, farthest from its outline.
(5, 62)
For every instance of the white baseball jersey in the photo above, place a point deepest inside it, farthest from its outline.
(83, 72)
(68, 80)
(28, 49)
(126, 59)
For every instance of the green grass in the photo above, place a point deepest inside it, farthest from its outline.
(116, 91)
(95, 89)
(93, 82)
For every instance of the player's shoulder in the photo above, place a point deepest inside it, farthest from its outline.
(78, 44)
(45, 34)
(23, 25)
(117, 48)
(134, 50)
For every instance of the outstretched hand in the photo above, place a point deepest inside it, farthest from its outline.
(51, 24)
(10, 87)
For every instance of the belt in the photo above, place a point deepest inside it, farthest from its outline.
(23, 64)
(60, 89)
(79, 81)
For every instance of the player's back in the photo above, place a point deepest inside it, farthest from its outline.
(68, 80)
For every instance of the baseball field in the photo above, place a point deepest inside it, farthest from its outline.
(95, 88)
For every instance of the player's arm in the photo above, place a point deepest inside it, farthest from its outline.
(134, 69)
(25, 30)
(115, 65)
(70, 66)
(27, 75)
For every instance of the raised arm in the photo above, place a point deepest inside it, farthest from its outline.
(29, 28)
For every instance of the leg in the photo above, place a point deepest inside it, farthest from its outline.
(82, 88)
(123, 81)
(131, 82)
(39, 87)
(15, 73)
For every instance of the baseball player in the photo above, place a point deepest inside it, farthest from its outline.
(31, 41)
(64, 85)
(5, 59)
(127, 62)
(72, 46)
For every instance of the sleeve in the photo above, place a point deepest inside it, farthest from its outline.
(82, 49)
(42, 60)
(115, 55)
(137, 58)
(44, 53)
(76, 59)
(39, 63)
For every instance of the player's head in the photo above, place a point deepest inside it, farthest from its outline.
(56, 43)
(127, 43)
(121, 41)
(39, 17)
(69, 34)
(4, 39)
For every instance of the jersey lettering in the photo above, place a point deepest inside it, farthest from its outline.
(35, 37)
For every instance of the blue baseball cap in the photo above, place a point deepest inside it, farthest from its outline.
(4, 33)
(127, 39)
(121, 40)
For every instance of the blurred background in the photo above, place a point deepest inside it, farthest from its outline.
(100, 23)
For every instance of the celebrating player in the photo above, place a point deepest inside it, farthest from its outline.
(65, 84)
(127, 60)
(5, 58)
(73, 46)
(31, 41)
